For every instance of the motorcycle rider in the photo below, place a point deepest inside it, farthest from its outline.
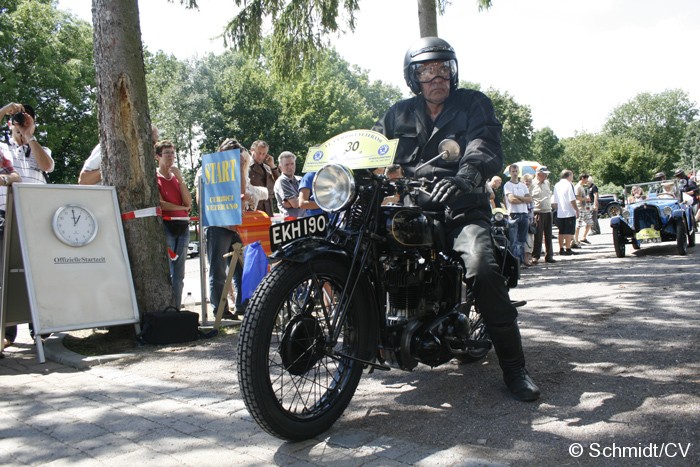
(440, 110)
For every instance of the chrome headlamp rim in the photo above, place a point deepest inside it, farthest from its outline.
(334, 187)
(668, 210)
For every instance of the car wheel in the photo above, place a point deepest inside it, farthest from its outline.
(682, 237)
(618, 242)
(613, 210)
(691, 236)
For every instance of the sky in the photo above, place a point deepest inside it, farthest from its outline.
(572, 62)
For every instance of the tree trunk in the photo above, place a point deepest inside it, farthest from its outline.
(427, 18)
(128, 158)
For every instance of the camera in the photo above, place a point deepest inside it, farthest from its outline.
(19, 118)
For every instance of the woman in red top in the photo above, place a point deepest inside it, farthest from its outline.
(175, 202)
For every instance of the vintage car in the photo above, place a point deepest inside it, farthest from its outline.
(609, 205)
(655, 212)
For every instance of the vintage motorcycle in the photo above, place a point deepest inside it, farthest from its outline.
(378, 288)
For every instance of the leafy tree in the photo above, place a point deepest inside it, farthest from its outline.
(690, 147)
(658, 121)
(547, 149)
(517, 125)
(46, 61)
(580, 151)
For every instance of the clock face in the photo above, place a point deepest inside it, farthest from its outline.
(74, 225)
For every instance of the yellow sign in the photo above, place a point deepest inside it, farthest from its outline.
(648, 234)
(356, 149)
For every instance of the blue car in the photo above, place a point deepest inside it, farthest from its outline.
(655, 212)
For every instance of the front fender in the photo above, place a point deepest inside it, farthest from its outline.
(623, 226)
(304, 249)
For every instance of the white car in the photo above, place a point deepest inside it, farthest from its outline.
(192, 249)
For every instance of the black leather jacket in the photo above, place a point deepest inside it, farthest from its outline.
(468, 117)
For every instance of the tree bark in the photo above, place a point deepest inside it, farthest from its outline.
(427, 18)
(128, 157)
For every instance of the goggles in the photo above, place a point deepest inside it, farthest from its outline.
(426, 72)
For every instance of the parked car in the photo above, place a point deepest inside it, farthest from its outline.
(609, 205)
(192, 249)
(660, 215)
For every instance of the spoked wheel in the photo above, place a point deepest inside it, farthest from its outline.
(477, 332)
(618, 242)
(613, 210)
(681, 237)
(294, 382)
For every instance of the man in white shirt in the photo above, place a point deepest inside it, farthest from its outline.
(28, 157)
(517, 197)
(567, 211)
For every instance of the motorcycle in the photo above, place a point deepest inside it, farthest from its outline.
(376, 287)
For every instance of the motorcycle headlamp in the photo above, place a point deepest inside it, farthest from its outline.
(498, 217)
(334, 187)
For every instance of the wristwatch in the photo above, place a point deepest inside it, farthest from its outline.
(33, 138)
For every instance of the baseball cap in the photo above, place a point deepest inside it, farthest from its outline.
(679, 173)
(543, 170)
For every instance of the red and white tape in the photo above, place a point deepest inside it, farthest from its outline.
(146, 212)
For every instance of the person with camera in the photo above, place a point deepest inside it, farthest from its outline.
(440, 110)
(32, 160)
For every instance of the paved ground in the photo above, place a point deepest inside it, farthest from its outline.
(613, 343)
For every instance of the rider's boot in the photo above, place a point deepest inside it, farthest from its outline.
(506, 341)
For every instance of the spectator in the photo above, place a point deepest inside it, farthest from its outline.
(263, 173)
(529, 243)
(31, 160)
(306, 195)
(91, 174)
(175, 202)
(541, 193)
(687, 186)
(585, 218)
(593, 194)
(517, 198)
(8, 176)
(220, 240)
(287, 187)
(567, 211)
(497, 199)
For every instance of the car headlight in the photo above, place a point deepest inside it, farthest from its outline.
(667, 211)
(626, 214)
(334, 187)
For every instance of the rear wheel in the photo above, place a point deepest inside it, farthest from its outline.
(477, 332)
(618, 242)
(681, 237)
(294, 382)
(613, 210)
(691, 236)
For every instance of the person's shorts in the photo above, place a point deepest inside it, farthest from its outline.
(585, 217)
(566, 225)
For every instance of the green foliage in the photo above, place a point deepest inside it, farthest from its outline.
(46, 61)
(690, 147)
(547, 149)
(657, 121)
(517, 125)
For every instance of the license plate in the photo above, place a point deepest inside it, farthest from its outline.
(286, 232)
(648, 234)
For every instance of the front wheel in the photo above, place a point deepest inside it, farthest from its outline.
(613, 210)
(618, 242)
(295, 382)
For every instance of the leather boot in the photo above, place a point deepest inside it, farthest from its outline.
(506, 341)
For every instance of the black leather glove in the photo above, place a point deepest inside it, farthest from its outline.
(466, 179)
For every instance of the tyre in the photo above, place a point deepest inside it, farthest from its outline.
(618, 242)
(612, 210)
(681, 237)
(477, 332)
(635, 243)
(691, 236)
(294, 383)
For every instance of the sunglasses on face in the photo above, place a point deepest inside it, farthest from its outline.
(427, 72)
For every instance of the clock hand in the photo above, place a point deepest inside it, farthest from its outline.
(73, 213)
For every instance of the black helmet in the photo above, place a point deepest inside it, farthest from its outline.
(425, 50)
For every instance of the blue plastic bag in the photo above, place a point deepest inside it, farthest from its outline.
(255, 266)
